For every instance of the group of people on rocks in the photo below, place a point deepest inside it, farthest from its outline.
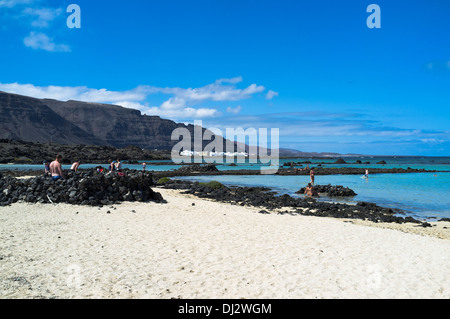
(55, 171)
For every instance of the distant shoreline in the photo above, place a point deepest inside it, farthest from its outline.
(281, 171)
(29, 153)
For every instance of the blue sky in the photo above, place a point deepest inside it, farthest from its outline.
(313, 69)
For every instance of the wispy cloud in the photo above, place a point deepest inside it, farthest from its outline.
(438, 66)
(182, 104)
(13, 3)
(235, 110)
(40, 41)
(79, 93)
(185, 113)
(37, 15)
(311, 128)
(41, 17)
(220, 90)
(271, 94)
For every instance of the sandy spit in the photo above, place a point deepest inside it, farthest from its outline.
(193, 248)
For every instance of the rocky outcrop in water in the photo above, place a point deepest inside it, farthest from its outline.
(81, 188)
(331, 191)
(197, 168)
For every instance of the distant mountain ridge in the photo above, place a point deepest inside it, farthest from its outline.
(82, 123)
(73, 122)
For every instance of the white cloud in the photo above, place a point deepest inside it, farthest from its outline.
(173, 104)
(40, 41)
(213, 92)
(235, 110)
(234, 80)
(174, 114)
(13, 3)
(37, 15)
(42, 16)
(183, 104)
(271, 94)
(182, 97)
(78, 93)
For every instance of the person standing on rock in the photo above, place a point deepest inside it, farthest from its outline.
(144, 166)
(56, 168)
(46, 168)
(75, 166)
(118, 166)
(311, 174)
(111, 166)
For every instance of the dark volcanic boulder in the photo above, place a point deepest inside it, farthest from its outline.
(340, 161)
(82, 188)
(198, 168)
(331, 191)
(382, 162)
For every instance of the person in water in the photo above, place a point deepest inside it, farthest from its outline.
(310, 191)
(367, 173)
(56, 168)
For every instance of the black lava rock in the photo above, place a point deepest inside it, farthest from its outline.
(198, 168)
(82, 188)
(331, 191)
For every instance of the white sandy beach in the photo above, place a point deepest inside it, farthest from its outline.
(211, 250)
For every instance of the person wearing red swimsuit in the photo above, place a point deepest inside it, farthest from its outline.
(311, 174)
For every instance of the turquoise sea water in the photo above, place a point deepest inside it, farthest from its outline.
(422, 195)
(428, 163)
